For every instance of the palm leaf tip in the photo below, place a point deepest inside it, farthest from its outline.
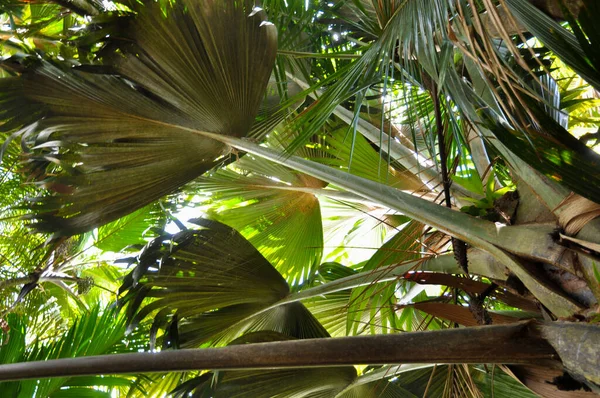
(108, 145)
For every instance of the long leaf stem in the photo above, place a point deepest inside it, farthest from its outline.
(28, 279)
(483, 264)
(439, 125)
(514, 343)
(478, 233)
(300, 54)
(404, 154)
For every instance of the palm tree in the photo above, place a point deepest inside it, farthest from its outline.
(440, 134)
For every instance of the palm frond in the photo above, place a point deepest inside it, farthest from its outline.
(109, 145)
(285, 383)
(576, 50)
(316, 383)
(130, 230)
(343, 314)
(494, 381)
(413, 24)
(210, 285)
(355, 155)
(257, 198)
(93, 333)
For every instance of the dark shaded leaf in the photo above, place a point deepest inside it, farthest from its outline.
(219, 286)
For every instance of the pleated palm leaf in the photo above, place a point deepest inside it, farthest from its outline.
(331, 382)
(407, 50)
(109, 144)
(209, 286)
(275, 208)
(359, 311)
(403, 381)
(311, 383)
(278, 210)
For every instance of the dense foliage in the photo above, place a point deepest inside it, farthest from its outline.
(403, 193)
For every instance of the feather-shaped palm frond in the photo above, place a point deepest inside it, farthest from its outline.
(211, 285)
(94, 333)
(413, 24)
(110, 144)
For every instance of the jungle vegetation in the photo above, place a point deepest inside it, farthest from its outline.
(343, 198)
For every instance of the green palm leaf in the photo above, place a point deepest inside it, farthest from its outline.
(131, 229)
(94, 333)
(341, 314)
(498, 383)
(109, 145)
(314, 383)
(412, 24)
(401, 247)
(575, 50)
(217, 284)
(257, 198)
(355, 155)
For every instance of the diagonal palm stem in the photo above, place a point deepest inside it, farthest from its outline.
(494, 239)
(515, 343)
(406, 156)
(479, 233)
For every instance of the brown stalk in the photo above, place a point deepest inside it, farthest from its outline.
(513, 344)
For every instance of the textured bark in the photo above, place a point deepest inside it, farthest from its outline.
(553, 8)
(81, 7)
(577, 344)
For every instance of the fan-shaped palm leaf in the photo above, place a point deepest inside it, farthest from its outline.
(343, 315)
(257, 198)
(218, 286)
(478, 233)
(314, 383)
(108, 145)
(286, 383)
(131, 229)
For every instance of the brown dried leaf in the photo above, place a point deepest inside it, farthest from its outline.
(539, 380)
(471, 286)
(574, 212)
(458, 314)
